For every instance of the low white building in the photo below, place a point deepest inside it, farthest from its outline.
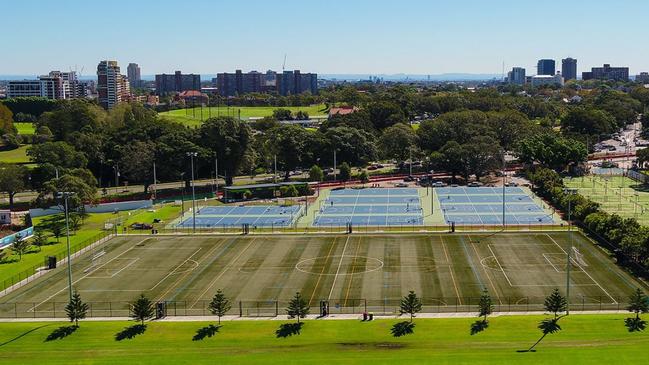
(541, 80)
(5, 216)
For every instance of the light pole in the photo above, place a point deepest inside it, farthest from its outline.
(65, 195)
(191, 157)
(570, 192)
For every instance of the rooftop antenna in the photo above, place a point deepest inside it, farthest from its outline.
(284, 64)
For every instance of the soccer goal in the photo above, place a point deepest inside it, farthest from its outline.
(578, 257)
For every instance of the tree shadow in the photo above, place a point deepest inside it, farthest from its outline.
(402, 329)
(204, 332)
(289, 329)
(635, 324)
(478, 326)
(130, 332)
(61, 333)
(8, 261)
(23, 335)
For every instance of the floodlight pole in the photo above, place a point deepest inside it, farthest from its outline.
(570, 192)
(216, 175)
(334, 165)
(155, 186)
(504, 184)
(65, 195)
(191, 157)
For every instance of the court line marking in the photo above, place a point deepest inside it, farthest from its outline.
(133, 260)
(217, 246)
(485, 271)
(176, 268)
(315, 288)
(226, 268)
(450, 269)
(85, 276)
(351, 278)
(340, 263)
(582, 269)
(499, 265)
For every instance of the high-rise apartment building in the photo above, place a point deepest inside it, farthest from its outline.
(176, 82)
(286, 83)
(55, 85)
(112, 87)
(569, 68)
(134, 76)
(546, 67)
(607, 73)
(643, 77)
(516, 76)
(295, 82)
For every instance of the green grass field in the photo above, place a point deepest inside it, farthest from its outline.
(616, 194)
(352, 272)
(25, 128)
(584, 339)
(192, 117)
(91, 227)
(18, 155)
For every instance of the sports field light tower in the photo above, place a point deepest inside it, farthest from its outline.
(191, 157)
(66, 195)
(569, 192)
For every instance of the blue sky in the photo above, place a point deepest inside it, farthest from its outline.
(324, 36)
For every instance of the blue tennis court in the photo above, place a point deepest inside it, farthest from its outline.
(371, 207)
(484, 205)
(255, 216)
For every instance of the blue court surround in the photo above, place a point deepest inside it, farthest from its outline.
(255, 216)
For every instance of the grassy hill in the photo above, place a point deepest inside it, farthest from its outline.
(584, 339)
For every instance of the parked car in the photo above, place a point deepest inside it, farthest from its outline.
(438, 184)
(408, 179)
(401, 185)
(141, 226)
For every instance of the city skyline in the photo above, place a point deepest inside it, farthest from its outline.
(332, 38)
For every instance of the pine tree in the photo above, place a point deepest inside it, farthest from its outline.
(20, 247)
(219, 305)
(638, 303)
(39, 239)
(142, 309)
(555, 303)
(297, 307)
(76, 308)
(485, 305)
(410, 304)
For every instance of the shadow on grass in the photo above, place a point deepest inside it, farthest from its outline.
(478, 326)
(61, 333)
(23, 334)
(288, 329)
(130, 332)
(635, 324)
(204, 332)
(402, 329)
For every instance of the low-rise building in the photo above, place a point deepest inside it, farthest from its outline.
(545, 80)
(607, 72)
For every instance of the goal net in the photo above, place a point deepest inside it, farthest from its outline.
(578, 257)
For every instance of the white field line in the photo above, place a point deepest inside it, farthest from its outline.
(83, 277)
(174, 270)
(485, 270)
(545, 255)
(340, 263)
(450, 270)
(132, 261)
(499, 265)
(228, 266)
(582, 269)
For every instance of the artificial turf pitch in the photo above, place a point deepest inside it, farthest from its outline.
(353, 272)
(584, 339)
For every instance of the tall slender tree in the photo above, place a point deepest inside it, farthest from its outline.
(410, 304)
(554, 303)
(219, 305)
(297, 307)
(638, 303)
(485, 306)
(76, 308)
(142, 309)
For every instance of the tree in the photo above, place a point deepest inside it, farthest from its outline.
(638, 303)
(60, 154)
(6, 120)
(54, 224)
(641, 155)
(554, 303)
(396, 141)
(39, 239)
(20, 247)
(282, 114)
(76, 308)
(79, 181)
(136, 162)
(292, 145)
(3, 255)
(364, 177)
(410, 304)
(588, 121)
(73, 116)
(229, 139)
(385, 113)
(345, 171)
(316, 173)
(485, 305)
(219, 305)
(142, 309)
(551, 150)
(297, 307)
(355, 146)
(12, 180)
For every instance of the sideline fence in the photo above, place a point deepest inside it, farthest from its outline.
(273, 308)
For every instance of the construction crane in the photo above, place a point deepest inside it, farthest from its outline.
(284, 64)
